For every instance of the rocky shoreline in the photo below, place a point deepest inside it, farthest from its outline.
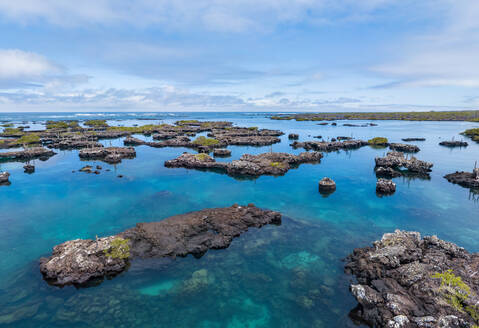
(82, 261)
(404, 280)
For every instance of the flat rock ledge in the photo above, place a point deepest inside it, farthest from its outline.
(27, 154)
(403, 281)
(111, 155)
(465, 179)
(453, 144)
(247, 165)
(404, 147)
(329, 146)
(83, 261)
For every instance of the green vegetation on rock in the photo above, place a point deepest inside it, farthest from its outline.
(61, 124)
(28, 139)
(119, 249)
(96, 123)
(149, 128)
(184, 122)
(203, 141)
(472, 115)
(7, 131)
(277, 164)
(7, 125)
(378, 141)
(202, 157)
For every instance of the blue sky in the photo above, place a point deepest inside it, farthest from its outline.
(239, 55)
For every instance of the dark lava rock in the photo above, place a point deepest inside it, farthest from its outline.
(110, 155)
(327, 186)
(293, 136)
(398, 283)
(397, 160)
(221, 152)
(387, 172)
(344, 138)
(4, 176)
(334, 124)
(247, 165)
(81, 260)
(28, 168)
(329, 146)
(404, 148)
(385, 187)
(86, 169)
(413, 139)
(323, 123)
(453, 143)
(465, 179)
(28, 154)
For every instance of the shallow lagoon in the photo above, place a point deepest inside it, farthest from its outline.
(286, 276)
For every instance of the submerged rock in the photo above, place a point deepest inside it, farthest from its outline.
(465, 179)
(403, 281)
(404, 147)
(247, 165)
(81, 260)
(397, 160)
(453, 143)
(327, 186)
(385, 187)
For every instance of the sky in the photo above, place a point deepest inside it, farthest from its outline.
(239, 55)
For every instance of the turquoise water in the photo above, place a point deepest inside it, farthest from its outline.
(286, 276)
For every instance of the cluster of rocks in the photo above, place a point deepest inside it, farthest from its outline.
(403, 280)
(327, 186)
(394, 161)
(404, 147)
(329, 146)
(385, 187)
(247, 165)
(28, 154)
(111, 155)
(71, 142)
(465, 179)
(83, 260)
(90, 169)
(453, 143)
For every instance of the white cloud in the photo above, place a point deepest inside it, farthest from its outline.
(447, 56)
(219, 15)
(17, 64)
(27, 69)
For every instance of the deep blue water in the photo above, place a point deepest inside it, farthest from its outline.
(286, 276)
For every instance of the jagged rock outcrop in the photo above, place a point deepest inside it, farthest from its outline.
(452, 143)
(396, 160)
(111, 155)
(385, 187)
(27, 154)
(465, 179)
(247, 165)
(326, 186)
(403, 281)
(404, 148)
(329, 146)
(82, 260)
